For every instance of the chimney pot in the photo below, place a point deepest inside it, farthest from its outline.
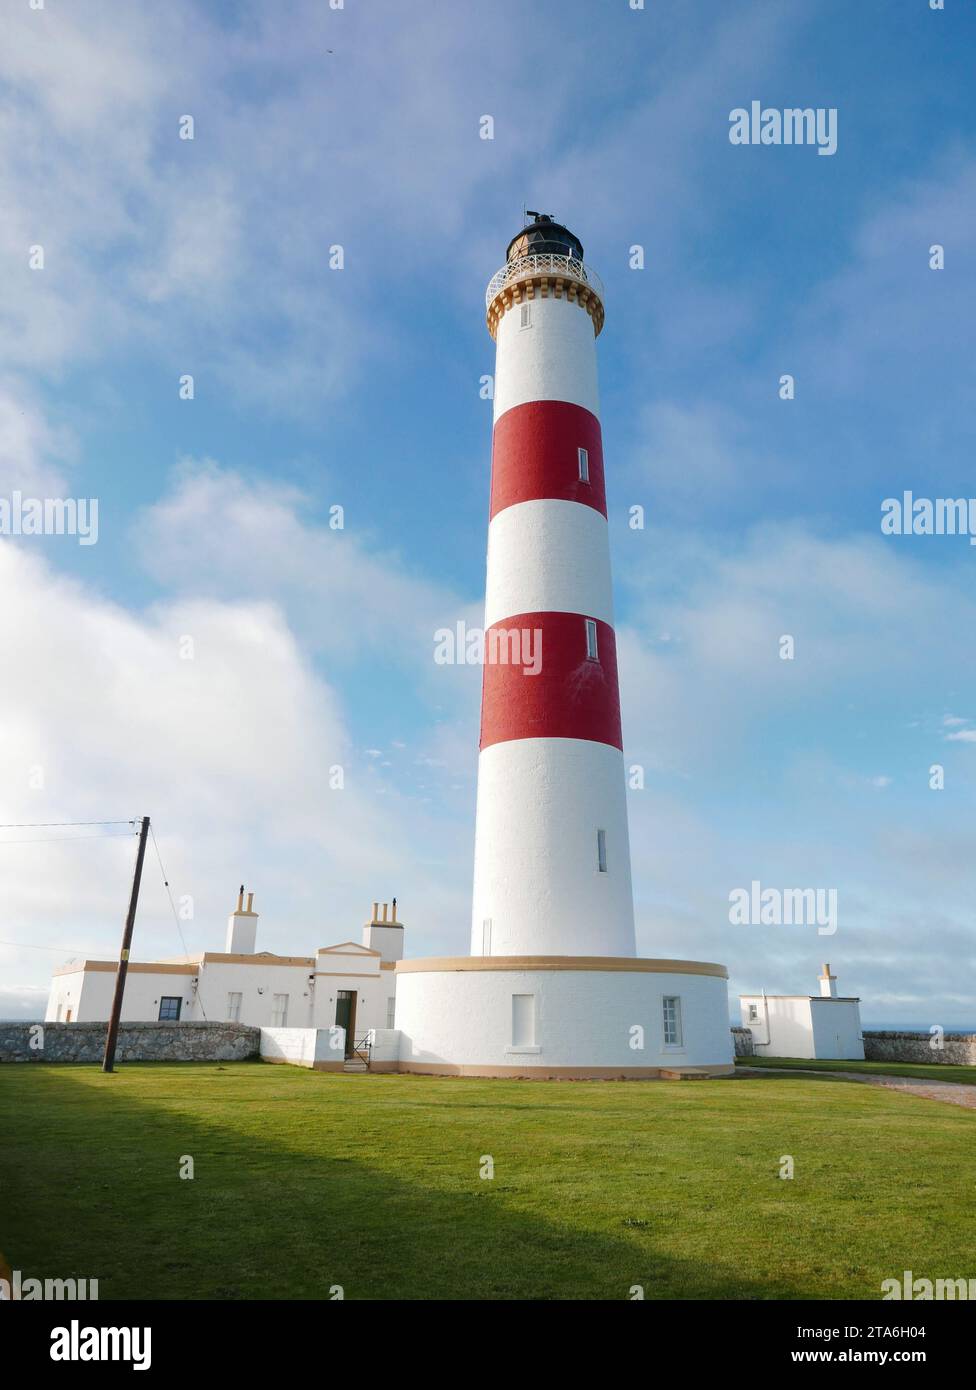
(250, 900)
(376, 912)
(240, 899)
(385, 909)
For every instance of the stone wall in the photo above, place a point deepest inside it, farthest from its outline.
(957, 1048)
(744, 1046)
(138, 1042)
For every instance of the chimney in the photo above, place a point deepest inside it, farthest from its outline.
(384, 934)
(242, 927)
(828, 984)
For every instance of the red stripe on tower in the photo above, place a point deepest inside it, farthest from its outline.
(550, 675)
(536, 452)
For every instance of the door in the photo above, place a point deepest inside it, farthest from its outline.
(346, 1016)
(67, 1017)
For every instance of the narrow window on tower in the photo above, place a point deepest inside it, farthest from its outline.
(584, 465)
(592, 651)
(601, 850)
(525, 316)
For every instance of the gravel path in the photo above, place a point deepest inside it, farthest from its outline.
(951, 1092)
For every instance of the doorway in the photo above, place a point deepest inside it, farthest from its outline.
(346, 1016)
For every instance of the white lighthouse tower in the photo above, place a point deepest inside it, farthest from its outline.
(553, 985)
(552, 854)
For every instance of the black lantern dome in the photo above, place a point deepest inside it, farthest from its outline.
(544, 237)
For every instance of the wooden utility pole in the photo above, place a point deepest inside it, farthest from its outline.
(108, 1062)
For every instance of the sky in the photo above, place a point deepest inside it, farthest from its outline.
(224, 645)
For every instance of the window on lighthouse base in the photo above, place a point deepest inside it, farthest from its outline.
(592, 650)
(584, 465)
(672, 1021)
(523, 1024)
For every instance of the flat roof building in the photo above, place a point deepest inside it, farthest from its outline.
(805, 1025)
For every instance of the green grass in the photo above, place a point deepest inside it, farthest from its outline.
(305, 1179)
(921, 1071)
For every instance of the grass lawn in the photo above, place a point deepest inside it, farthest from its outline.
(305, 1179)
(921, 1071)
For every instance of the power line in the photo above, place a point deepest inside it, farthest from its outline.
(30, 946)
(41, 824)
(51, 839)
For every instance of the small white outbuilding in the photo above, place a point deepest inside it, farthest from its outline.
(805, 1025)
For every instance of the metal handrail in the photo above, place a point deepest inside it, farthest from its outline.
(526, 267)
(364, 1047)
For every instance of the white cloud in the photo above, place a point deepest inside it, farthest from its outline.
(228, 752)
(33, 453)
(350, 597)
(853, 327)
(749, 769)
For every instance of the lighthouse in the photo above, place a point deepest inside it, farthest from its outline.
(552, 853)
(553, 985)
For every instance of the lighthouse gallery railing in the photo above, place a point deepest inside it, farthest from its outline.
(524, 267)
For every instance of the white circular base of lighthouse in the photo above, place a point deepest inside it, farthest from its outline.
(563, 1017)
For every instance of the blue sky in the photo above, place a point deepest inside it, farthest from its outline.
(360, 387)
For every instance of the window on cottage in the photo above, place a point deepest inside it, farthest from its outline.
(234, 1007)
(169, 1008)
(279, 1010)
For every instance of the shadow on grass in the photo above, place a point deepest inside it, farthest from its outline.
(286, 1203)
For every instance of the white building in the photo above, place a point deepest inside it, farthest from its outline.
(352, 984)
(805, 1025)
